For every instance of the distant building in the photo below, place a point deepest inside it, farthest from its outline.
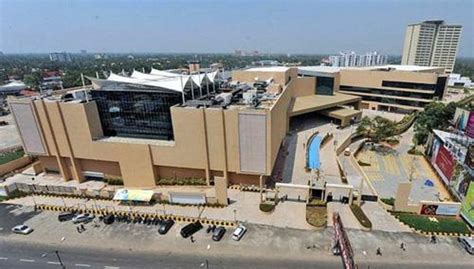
(350, 58)
(246, 53)
(457, 81)
(266, 63)
(61, 57)
(101, 56)
(194, 66)
(83, 51)
(431, 43)
(51, 81)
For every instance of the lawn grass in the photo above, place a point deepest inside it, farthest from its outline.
(317, 216)
(424, 224)
(10, 156)
(361, 217)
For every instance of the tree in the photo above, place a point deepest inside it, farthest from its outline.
(33, 80)
(435, 116)
(383, 128)
(365, 126)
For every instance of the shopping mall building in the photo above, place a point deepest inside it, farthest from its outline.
(164, 124)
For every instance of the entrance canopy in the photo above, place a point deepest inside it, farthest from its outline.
(133, 195)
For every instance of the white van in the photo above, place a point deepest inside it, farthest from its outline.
(467, 243)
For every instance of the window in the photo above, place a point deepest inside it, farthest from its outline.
(408, 85)
(136, 113)
(324, 85)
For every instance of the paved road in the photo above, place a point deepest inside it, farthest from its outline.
(16, 255)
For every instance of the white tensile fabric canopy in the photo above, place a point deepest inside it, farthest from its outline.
(164, 79)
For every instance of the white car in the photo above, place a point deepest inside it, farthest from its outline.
(467, 243)
(239, 232)
(22, 229)
(82, 218)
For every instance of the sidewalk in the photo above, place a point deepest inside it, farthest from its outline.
(244, 208)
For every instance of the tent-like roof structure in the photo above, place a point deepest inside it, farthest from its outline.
(165, 80)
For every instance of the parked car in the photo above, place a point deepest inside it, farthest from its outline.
(347, 152)
(82, 218)
(22, 229)
(109, 219)
(65, 216)
(467, 243)
(239, 232)
(218, 233)
(165, 226)
(190, 229)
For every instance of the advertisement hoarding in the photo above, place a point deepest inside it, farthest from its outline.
(470, 125)
(444, 161)
(467, 208)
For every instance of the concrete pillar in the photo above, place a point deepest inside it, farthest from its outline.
(220, 188)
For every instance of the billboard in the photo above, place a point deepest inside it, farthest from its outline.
(444, 162)
(440, 209)
(470, 125)
(467, 208)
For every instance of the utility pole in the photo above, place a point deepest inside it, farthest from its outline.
(60, 261)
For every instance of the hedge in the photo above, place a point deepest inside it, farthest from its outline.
(362, 163)
(388, 201)
(267, 207)
(10, 156)
(181, 181)
(426, 224)
(361, 217)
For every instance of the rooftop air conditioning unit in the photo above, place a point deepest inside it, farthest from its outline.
(249, 96)
(225, 98)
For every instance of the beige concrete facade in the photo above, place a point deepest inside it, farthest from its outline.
(238, 143)
(371, 85)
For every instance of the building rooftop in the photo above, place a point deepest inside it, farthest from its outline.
(269, 69)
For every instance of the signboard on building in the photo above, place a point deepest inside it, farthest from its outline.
(470, 125)
(467, 208)
(444, 162)
(447, 210)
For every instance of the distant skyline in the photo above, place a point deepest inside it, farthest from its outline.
(203, 26)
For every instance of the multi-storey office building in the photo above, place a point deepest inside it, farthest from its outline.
(389, 87)
(144, 130)
(431, 43)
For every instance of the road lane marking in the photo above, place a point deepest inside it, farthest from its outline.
(57, 263)
(82, 265)
(111, 267)
(26, 260)
(3, 258)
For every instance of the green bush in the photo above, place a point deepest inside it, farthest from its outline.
(362, 163)
(181, 181)
(414, 151)
(423, 223)
(361, 217)
(317, 216)
(388, 201)
(6, 157)
(267, 207)
(115, 181)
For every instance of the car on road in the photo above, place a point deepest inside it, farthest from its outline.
(82, 218)
(239, 232)
(190, 229)
(109, 219)
(22, 229)
(65, 216)
(467, 243)
(165, 226)
(218, 233)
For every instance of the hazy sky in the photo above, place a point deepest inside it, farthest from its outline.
(222, 26)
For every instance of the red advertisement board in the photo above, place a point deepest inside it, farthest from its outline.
(445, 162)
(470, 125)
